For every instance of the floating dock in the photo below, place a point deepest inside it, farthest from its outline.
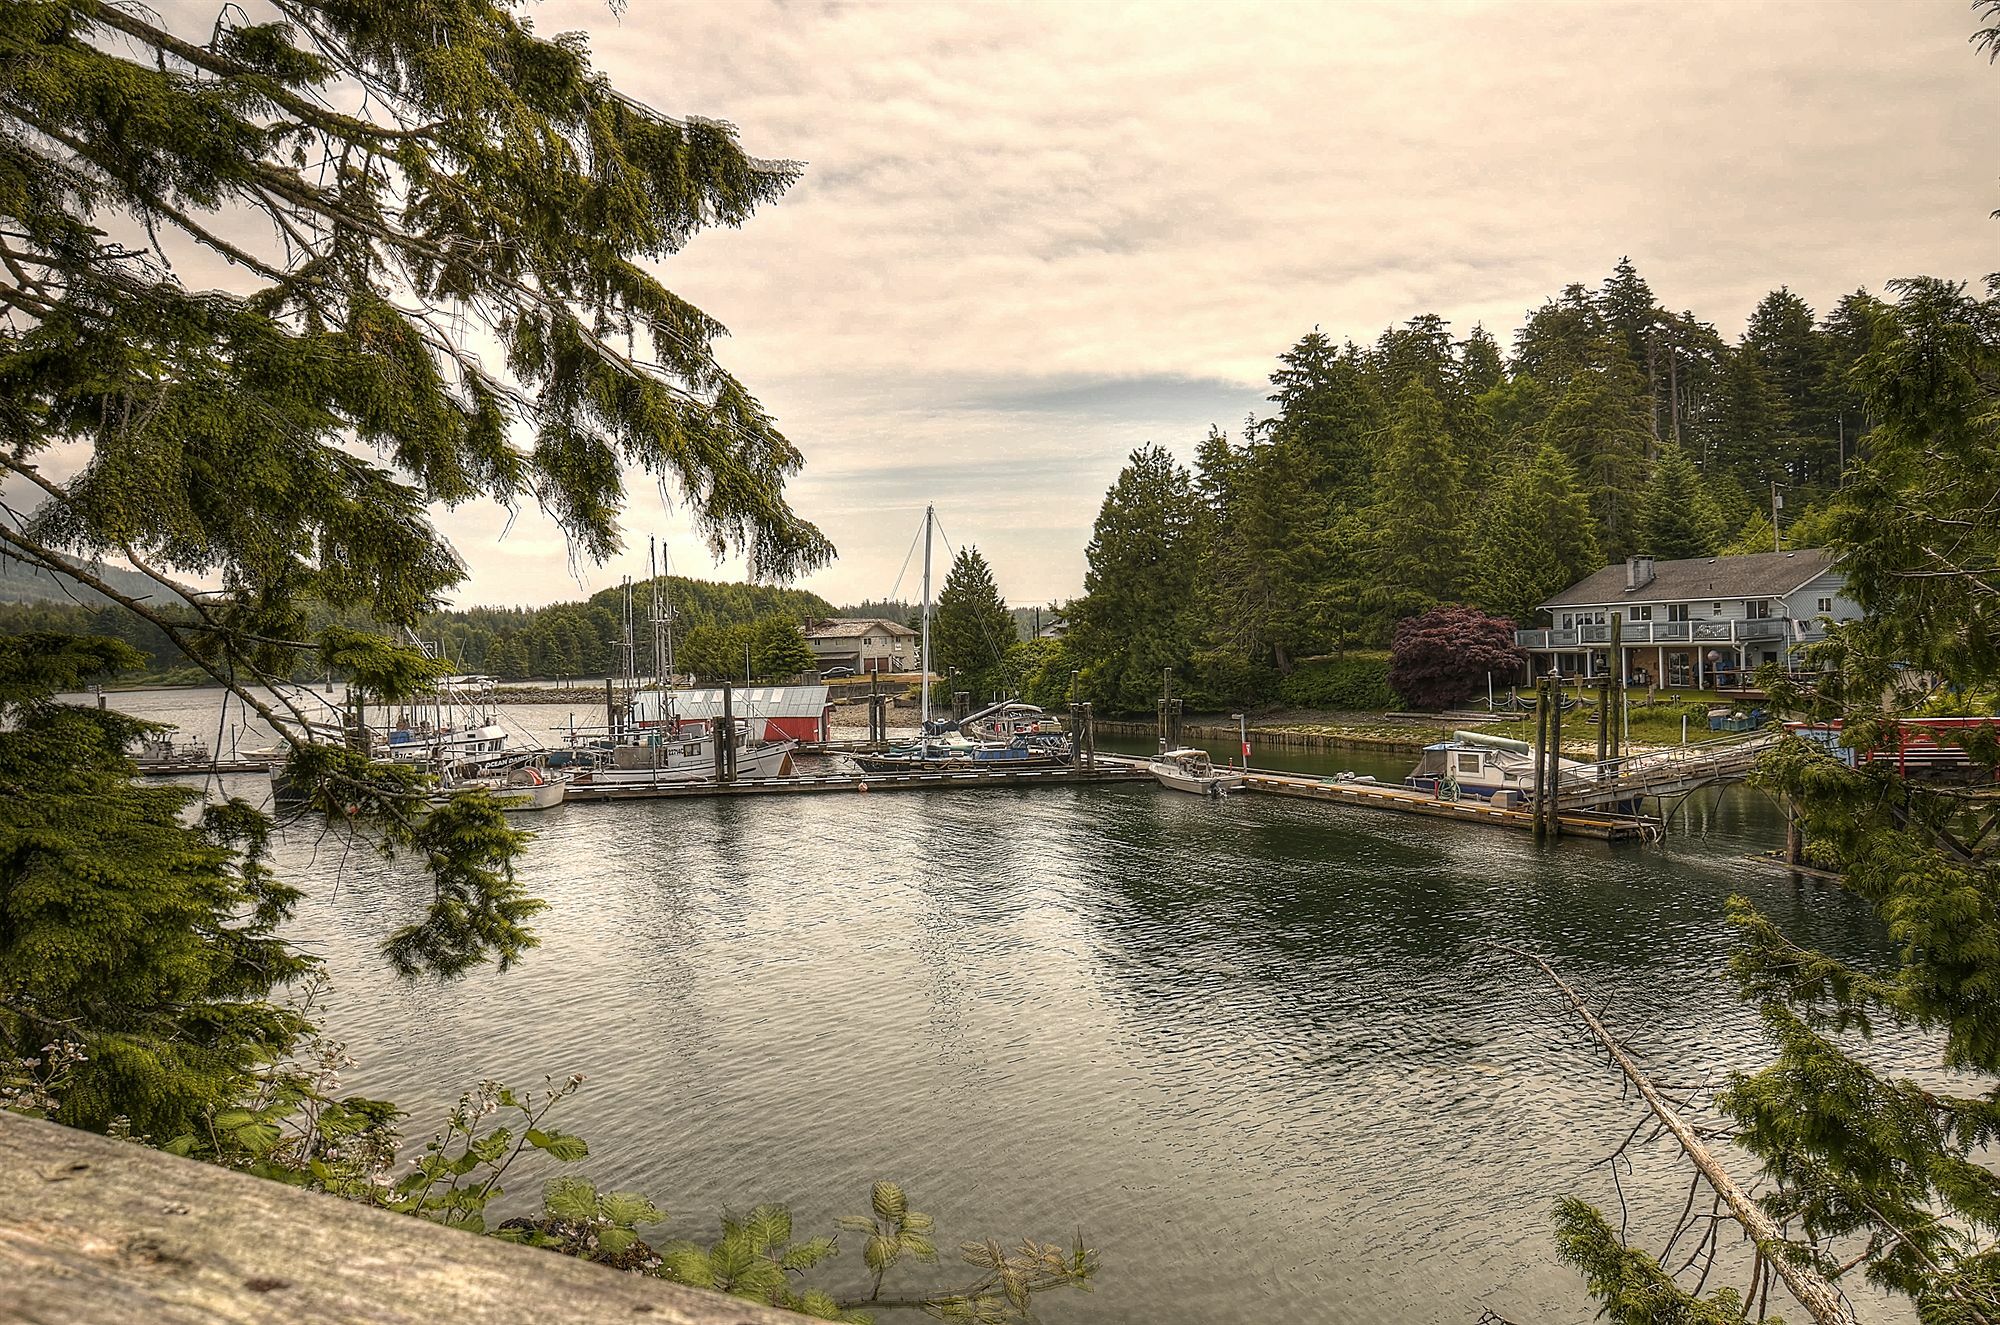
(1405, 800)
(181, 770)
(957, 780)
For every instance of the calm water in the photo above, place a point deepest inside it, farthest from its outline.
(1256, 1050)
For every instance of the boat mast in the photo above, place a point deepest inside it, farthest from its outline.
(653, 574)
(925, 662)
(667, 598)
(627, 647)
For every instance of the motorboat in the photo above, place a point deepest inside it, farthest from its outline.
(1193, 771)
(1481, 765)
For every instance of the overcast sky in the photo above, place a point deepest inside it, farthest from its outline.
(1032, 237)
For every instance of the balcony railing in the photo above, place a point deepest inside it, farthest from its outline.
(1646, 633)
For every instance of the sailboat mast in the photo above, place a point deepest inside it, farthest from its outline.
(925, 663)
(667, 588)
(653, 574)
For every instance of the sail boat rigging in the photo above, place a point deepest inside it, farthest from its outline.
(1028, 741)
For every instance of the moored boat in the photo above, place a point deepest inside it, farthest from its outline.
(1192, 771)
(1482, 765)
(526, 788)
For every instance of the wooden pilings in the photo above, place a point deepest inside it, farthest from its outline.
(1548, 756)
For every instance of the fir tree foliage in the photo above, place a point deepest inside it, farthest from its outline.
(1679, 519)
(1134, 624)
(139, 945)
(490, 187)
(971, 629)
(1537, 535)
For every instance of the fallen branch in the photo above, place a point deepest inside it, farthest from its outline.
(1820, 1299)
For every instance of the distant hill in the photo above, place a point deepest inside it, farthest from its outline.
(578, 639)
(22, 583)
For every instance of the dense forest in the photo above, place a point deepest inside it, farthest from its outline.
(587, 638)
(1427, 469)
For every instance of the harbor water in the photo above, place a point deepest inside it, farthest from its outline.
(1260, 1052)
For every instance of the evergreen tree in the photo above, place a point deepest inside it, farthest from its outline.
(1481, 367)
(138, 948)
(1678, 517)
(1134, 621)
(1563, 338)
(781, 649)
(487, 186)
(1419, 552)
(1537, 536)
(1637, 328)
(1600, 424)
(971, 630)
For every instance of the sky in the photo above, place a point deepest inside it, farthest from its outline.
(1030, 238)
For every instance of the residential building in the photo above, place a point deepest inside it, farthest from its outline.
(1702, 622)
(868, 644)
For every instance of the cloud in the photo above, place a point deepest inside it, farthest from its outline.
(1032, 237)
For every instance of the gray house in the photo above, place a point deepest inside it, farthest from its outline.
(1700, 622)
(870, 645)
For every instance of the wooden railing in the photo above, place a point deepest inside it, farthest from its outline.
(95, 1231)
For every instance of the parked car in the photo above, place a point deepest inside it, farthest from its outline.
(835, 673)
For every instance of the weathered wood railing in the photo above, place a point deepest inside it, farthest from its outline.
(101, 1232)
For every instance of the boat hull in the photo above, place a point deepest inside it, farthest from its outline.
(1174, 778)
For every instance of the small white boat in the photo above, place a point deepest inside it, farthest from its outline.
(1191, 770)
(516, 789)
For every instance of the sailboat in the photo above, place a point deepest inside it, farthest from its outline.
(945, 744)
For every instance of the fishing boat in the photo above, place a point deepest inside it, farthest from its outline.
(517, 789)
(674, 751)
(1192, 771)
(1482, 765)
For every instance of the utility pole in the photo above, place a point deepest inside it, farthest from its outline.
(1777, 503)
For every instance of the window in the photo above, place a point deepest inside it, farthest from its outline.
(1677, 611)
(1757, 609)
(1567, 621)
(1826, 605)
(1642, 614)
(1468, 763)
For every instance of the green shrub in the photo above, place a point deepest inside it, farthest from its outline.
(1356, 681)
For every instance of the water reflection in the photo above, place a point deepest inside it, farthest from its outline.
(1259, 1050)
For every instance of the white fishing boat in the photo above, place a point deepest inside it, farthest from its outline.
(523, 789)
(1193, 771)
(681, 750)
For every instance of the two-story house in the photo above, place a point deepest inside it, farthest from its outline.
(1702, 622)
(863, 645)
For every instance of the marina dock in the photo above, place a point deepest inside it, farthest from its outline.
(853, 783)
(1404, 800)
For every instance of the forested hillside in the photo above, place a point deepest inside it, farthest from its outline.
(1428, 468)
(586, 638)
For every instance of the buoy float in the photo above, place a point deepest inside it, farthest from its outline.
(861, 786)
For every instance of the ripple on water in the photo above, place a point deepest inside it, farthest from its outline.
(1259, 1051)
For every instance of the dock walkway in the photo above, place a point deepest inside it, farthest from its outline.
(1663, 773)
(965, 780)
(1407, 800)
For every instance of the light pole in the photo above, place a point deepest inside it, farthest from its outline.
(1243, 736)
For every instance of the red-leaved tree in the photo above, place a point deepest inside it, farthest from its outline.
(1442, 657)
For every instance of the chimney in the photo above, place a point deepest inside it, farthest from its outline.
(1638, 573)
